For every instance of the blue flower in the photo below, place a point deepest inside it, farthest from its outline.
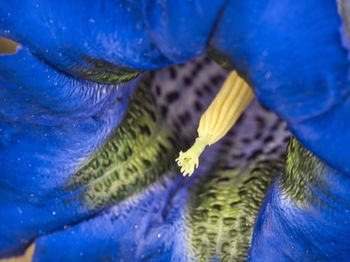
(89, 134)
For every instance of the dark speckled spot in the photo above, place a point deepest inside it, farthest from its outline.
(172, 97)
(172, 73)
(187, 81)
(197, 106)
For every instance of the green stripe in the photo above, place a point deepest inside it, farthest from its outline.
(303, 171)
(223, 208)
(137, 154)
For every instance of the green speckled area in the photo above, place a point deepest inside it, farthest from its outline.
(138, 152)
(224, 206)
(302, 171)
(106, 73)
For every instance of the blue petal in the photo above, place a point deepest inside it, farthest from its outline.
(181, 29)
(147, 227)
(49, 124)
(76, 36)
(306, 215)
(293, 55)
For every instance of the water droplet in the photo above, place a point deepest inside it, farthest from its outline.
(268, 75)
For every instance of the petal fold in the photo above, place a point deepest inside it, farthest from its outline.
(49, 124)
(295, 57)
(103, 40)
(305, 215)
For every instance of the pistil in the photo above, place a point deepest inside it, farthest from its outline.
(233, 98)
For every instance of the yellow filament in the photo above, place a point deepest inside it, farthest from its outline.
(232, 99)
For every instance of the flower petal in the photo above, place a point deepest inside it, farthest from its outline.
(294, 55)
(49, 124)
(305, 215)
(86, 38)
(140, 228)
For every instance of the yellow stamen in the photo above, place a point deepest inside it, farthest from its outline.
(232, 99)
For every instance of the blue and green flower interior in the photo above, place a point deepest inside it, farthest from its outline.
(93, 114)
